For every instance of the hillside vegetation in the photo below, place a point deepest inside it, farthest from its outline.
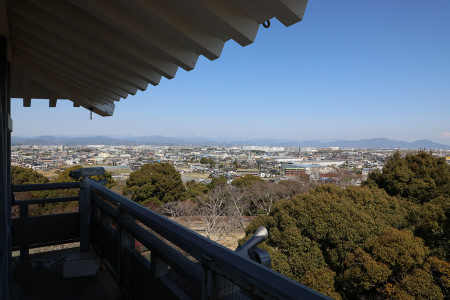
(387, 239)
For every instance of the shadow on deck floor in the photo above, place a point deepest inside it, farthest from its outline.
(41, 277)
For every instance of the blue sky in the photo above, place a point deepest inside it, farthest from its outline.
(349, 70)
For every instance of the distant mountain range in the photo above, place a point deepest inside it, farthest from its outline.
(377, 143)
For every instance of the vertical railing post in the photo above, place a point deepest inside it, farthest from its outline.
(84, 203)
(119, 242)
(207, 280)
(84, 206)
(105, 222)
(23, 214)
(125, 240)
(158, 269)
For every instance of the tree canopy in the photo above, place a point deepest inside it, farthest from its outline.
(156, 183)
(194, 189)
(419, 177)
(217, 181)
(246, 180)
(355, 242)
(424, 179)
(20, 175)
(208, 161)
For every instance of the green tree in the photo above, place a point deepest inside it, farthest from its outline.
(322, 280)
(368, 242)
(217, 181)
(441, 273)
(399, 249)
(246, 180)
(431, 222)
(424, 179)
(406, 255)
(342, 219)
(20, 175)
(363, 273)
(328, 227)
(155, 183)
(394, 264)
(193, 189)
(419, 177)
(208, 161)
(420, 284)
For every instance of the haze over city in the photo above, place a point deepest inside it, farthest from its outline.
(348, 71)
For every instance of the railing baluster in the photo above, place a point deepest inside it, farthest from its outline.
(119, 241)
(104, 223)
(158, 268)
(125, 239)
(207, 282)
(24, 250)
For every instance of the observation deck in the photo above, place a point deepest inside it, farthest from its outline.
(177, 262)
(95, 53)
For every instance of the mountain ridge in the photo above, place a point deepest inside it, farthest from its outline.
(158, 140)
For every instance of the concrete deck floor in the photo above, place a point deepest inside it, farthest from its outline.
(41, 277)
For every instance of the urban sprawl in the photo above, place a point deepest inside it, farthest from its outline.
(318, 165)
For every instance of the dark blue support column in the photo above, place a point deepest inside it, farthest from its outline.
(5, 175)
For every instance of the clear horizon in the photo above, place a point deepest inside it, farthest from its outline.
(225, 139)
(346, 72)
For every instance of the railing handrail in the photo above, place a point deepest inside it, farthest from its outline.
(45, 186)
(45, 200)
(225, 262)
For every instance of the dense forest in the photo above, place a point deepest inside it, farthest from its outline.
(386, 239)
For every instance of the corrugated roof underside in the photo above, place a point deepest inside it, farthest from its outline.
(95, 52)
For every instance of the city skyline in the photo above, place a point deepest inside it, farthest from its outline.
(355, 71)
